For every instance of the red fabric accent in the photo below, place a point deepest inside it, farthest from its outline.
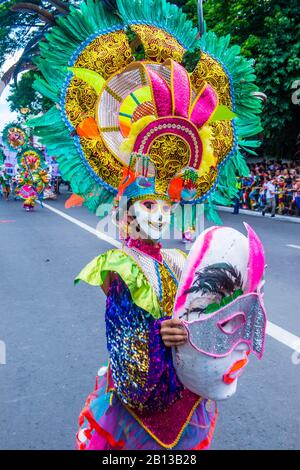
(110, 382)
(167, 425)
(81, 445)
(94, 425)
(151, 250)
(127, 178)
(206, 442)
(88, 434)
(175, 189)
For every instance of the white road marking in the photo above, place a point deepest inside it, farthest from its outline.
(283, 336)
(294, 246)
(86, 227)
(276, 332)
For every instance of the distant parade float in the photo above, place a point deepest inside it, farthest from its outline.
(14, 137)
(30, 179)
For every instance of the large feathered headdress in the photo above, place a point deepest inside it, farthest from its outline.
(112, 111)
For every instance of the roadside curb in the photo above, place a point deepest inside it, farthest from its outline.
(285, 218)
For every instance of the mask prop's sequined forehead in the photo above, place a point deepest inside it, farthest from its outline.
(207, 336)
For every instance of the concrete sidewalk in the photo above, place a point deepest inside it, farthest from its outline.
(286, 218)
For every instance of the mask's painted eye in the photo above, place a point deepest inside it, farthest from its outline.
(232, 324)
(166, 208)
(149, 205)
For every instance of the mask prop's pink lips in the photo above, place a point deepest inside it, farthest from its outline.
(235, 371)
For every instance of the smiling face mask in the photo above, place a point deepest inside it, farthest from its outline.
(151, 218)
(219, 302)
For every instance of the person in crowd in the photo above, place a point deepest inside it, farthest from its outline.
(236, 207)
(296, 196)
(252, 194)
(281, 194)
(270, 196)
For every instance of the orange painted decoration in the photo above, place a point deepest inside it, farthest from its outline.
(88, 128)
(73, 201)
(175, 188)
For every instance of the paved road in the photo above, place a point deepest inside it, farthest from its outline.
(55, 338)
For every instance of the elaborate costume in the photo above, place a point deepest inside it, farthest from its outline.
(147, 134)
(102, 96)
(5, 182)
(33, 178)
(139, 403)
(14, 136)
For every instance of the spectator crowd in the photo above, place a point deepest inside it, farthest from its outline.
(271, 185)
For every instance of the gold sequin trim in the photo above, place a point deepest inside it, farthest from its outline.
(109, 129)
(169, 154)
(169, 290)
(102, 161)
(158, 44)
(206, 182)
(81, 100)
(210, 71)
(143, 76)
(107, 54)
(155, 196)
(175, 442)
(113, 94)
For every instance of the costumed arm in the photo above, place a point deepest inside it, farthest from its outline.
(140, 363)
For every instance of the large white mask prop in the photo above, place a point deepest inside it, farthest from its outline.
(220, 303)
(151, 218)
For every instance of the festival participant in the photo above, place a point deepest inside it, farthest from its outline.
(5, 182)
(33, 179)
(139, 401)
(148, 134)
(139, 391)
(48, 192)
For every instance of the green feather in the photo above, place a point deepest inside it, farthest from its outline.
(59, 143)
(61, 43)
(92, 78)
(223, 113)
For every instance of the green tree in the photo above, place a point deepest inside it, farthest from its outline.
(23, 25)
(24, 96)
(20, 21)
(268, 31)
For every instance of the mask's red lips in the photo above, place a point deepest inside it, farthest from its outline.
(235, 371)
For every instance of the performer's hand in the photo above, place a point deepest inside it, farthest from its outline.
(173, 332)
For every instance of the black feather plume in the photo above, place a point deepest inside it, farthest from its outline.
(110, 4)
(219, 278)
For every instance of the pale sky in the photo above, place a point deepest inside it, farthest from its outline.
(6, 115)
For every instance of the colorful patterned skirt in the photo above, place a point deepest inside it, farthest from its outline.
(106, 424)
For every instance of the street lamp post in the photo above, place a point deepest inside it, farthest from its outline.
(201, 26)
